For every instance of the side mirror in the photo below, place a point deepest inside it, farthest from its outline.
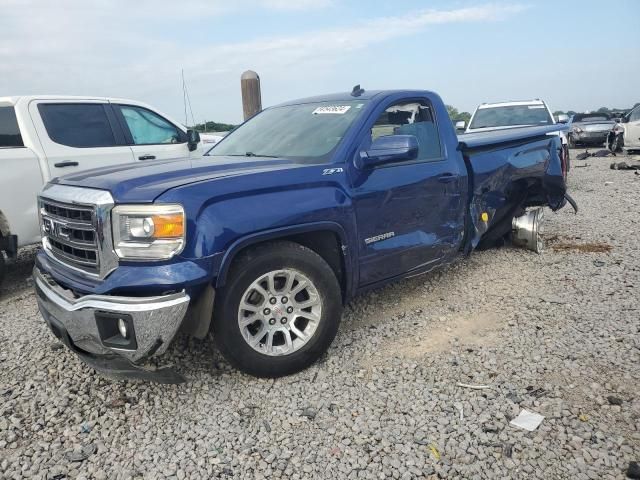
(562, 118)
(389, 149)
(461, 125)
(193, 138)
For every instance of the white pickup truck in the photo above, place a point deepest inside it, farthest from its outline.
(527, 113)
(43, 137)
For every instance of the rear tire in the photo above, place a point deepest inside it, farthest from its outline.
(261, 322)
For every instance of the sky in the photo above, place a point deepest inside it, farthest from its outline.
(574, 54)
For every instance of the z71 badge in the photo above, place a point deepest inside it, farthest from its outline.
(331, 171)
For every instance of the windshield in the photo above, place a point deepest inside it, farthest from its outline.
(308, 133)
(511, 116)
(600, 117)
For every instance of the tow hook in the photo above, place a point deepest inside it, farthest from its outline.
(526, 230)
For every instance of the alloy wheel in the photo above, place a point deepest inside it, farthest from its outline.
(279, 312)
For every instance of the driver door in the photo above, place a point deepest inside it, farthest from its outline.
(410, 215)
(632, 129)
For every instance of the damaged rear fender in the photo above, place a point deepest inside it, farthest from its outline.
(554, 187)
(507, 180)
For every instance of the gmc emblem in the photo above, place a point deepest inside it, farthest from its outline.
(55, 229)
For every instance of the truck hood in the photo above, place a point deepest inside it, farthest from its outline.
(144, 182)
(595, 126)
(503, 127)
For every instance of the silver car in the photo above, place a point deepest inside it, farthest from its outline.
(590, 129)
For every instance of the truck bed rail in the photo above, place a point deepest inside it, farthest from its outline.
(468, 141)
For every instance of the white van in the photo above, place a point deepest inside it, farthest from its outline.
(43, 137)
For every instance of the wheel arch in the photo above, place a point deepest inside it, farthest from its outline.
(327, 239)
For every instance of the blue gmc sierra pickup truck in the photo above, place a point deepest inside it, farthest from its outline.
(262, 242)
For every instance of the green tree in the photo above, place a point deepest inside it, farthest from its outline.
(457, 116)
(214, 127)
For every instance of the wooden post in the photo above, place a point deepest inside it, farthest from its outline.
(251, 96)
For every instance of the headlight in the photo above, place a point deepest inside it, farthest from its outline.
(148, 232)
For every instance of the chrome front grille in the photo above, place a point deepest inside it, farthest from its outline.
(70, 213)
(76, 230)
(70, 232)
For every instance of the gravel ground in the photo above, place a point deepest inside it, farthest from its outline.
(556, 333)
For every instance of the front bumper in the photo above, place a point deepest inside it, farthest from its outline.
(590, 137)
(155, 321)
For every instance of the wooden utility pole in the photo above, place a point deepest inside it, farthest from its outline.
(251, 96)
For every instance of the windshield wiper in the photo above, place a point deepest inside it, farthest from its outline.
(247, 154)
(251, 154)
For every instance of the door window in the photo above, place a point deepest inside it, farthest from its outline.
(147, 128)
(9, 131)
(77, 124)
(412, 118)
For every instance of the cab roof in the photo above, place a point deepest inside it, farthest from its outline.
(14, 100)
(516, 103)
(346, 96)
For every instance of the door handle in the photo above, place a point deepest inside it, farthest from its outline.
(447, 177)
(67, 163)
(147, 157)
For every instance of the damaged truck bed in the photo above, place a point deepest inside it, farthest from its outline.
(509, 172)
(264, 240)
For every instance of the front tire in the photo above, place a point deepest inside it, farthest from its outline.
(616, 143)
(279, 310)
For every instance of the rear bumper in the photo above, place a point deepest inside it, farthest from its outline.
(153, 322)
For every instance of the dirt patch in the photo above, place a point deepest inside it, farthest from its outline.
(566, 244)
(468, 328)
(596, 247)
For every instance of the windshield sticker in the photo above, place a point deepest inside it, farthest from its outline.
(332, 109)
(534, 107)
